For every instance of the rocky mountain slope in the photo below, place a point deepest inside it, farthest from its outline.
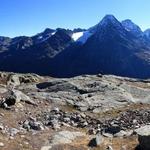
(114, 48)
(110, 47)
(84, 112)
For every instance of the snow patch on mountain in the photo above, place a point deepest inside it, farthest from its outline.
(81, 36)
(77, 35)
(53, 33)
(43, 37)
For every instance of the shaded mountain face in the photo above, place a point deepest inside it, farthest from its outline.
(132, 27)
(110, 50)
(147, 33)
(32, 54)
(110, 47)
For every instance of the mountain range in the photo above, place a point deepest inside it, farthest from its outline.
(110, 47)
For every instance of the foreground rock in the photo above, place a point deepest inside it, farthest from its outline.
(97, 141)
(17, 79)
(14, 97)
(144, 137)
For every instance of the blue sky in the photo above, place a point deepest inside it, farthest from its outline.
(28, 17)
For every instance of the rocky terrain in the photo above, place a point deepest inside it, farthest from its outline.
(81, 113)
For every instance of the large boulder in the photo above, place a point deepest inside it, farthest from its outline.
(13, 80)
(17, 79)
(113, 129)
(144, 137)
(13, 97)
(97, 141)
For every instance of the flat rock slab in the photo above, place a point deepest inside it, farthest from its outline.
(65, 137)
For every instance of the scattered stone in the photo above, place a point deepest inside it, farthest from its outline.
(26, 125)
(83, 109)
(13, 131)
(1, 144)
(26, 143)
(129, 133)
(22, 136)
(117, 127)
(4, 105)
(56, 109)
(3, 90)
(92, 131)
(108, 135)
(120, 134)
(46, 147)
(109, 148)
(113, 129)
(124, 147)
(1, 127)
(36, 125)
(11, 138)
(97, 141)
(100, 75)
(1, 114)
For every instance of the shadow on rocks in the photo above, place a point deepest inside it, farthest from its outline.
(138, 148)
(92, 143)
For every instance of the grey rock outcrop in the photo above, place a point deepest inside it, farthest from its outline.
(14, 96)
(94, 93)
(144, 137)
(17, 79)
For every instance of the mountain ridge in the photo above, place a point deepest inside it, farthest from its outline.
(110, 47)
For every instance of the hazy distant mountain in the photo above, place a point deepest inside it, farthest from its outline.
(110, 47)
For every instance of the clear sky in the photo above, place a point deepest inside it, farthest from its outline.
(28, 17)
